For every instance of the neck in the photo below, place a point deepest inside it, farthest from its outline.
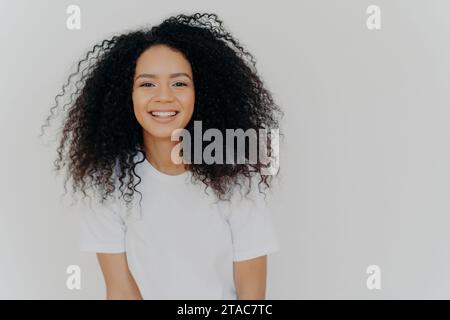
(158, 153)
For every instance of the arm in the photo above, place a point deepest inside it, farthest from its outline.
(120, 284)
(250, 278)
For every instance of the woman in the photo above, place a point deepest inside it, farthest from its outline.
(130, 94)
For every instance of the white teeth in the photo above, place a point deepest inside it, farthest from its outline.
(163, 113)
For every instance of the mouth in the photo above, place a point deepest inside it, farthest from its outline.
(164, 114)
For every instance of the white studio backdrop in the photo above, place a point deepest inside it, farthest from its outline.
(365, 178)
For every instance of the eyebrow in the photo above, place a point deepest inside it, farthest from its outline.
(173, 75)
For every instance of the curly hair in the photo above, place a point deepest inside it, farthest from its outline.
(100, 133)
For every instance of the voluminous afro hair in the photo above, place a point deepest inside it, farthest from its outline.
(100, 135)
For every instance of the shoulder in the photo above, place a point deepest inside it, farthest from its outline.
(248, 194)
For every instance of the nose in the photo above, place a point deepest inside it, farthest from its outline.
(164, 94)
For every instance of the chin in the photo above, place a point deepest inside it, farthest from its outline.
(162, 130)
(165, 133)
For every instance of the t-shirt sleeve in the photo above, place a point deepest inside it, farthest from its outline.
(102, 228)
(252, 230)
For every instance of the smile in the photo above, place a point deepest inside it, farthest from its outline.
(164, 114)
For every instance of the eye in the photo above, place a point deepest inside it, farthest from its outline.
(147, 84)
(180, 84)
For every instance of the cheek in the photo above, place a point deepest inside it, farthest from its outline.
(140, 100)
(139, 105)
(188, 100)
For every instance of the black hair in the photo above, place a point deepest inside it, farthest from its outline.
(100, 132)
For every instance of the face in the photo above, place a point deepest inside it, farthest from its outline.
(163, 91)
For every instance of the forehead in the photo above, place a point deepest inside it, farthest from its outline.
(161, 59)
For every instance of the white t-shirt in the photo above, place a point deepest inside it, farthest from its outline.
(181, 243)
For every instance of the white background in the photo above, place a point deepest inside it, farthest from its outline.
(364, 162)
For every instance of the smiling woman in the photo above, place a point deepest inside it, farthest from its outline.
(136, 90)
(163, 89)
